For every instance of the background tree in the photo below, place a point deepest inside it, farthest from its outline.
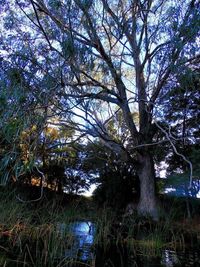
(181, 109)
(117, 182)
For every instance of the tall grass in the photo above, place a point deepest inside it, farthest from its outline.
(104, 224)
(148, 238)
(141, 236)
(30, 234)
(37, 235)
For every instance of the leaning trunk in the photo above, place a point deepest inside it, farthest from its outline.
(147, 205)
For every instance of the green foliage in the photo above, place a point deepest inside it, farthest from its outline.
(9, 22)
(96, 68)
(68, 47)
(55, 4)
(181, 184)
(182, 113)
(117, 181)
(116, 189)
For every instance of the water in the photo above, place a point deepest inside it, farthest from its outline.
(80, 251)
(119, 256)
(168, 258)
(189, 258)
(81, 246)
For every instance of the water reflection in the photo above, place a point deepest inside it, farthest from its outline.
(83, 238)
(81, 248)
(189, 258)
(169, 258)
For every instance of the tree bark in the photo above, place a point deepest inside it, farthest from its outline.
(147, 204)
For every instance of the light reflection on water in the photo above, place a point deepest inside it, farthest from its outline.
(189, 258)
(169, 258)
(83, 234)
(82, 249)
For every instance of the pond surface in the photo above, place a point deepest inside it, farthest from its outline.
(186, 258)
(81, 245)
(83, 233)
(80, 251)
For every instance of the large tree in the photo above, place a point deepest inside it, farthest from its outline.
(104, 58)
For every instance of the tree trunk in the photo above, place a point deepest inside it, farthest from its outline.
(147, 204)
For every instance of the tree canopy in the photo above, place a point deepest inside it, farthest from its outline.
(104, 69)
